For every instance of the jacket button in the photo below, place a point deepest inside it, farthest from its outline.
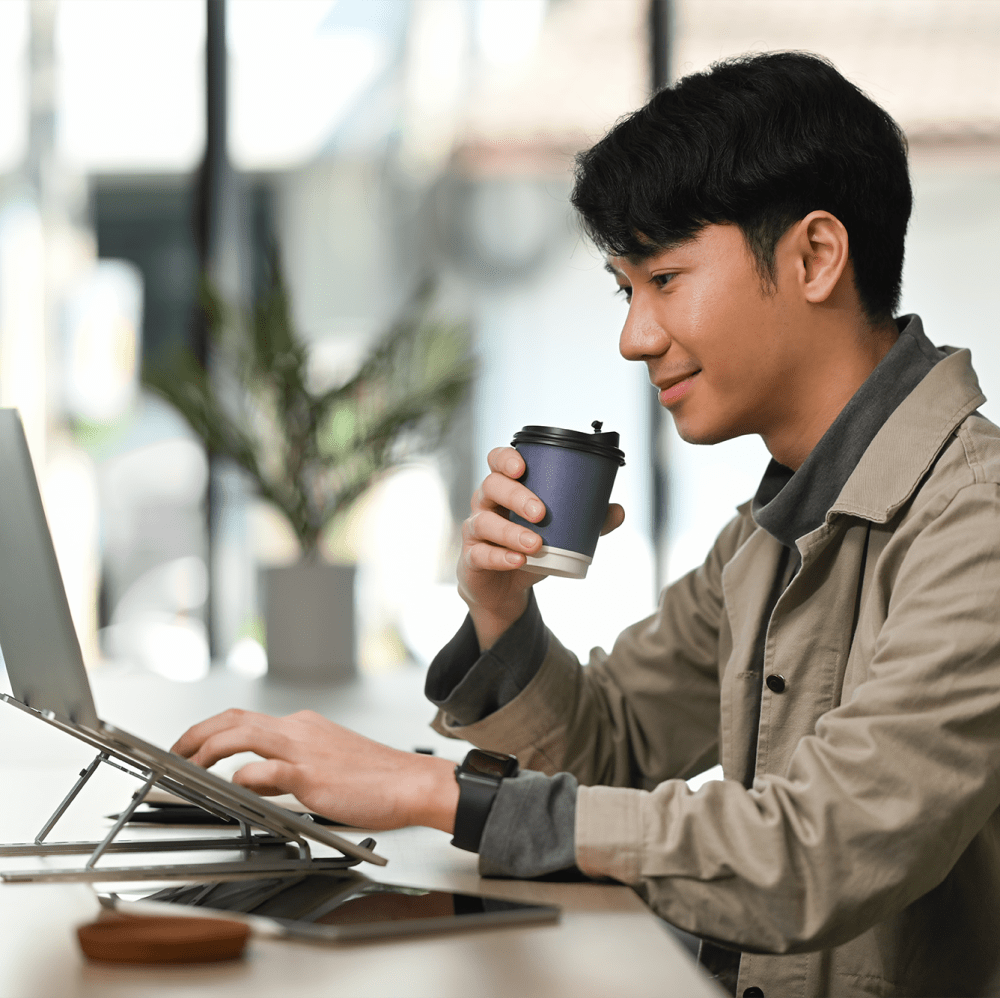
(776, 684)
(753, 992)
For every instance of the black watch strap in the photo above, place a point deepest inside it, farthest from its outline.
(479, 779)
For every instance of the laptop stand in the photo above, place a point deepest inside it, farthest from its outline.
(278, 851)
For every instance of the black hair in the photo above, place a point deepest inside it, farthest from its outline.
(758, 141)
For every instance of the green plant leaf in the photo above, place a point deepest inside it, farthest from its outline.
(309, 454)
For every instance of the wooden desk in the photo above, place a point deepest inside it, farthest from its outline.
(607, 942)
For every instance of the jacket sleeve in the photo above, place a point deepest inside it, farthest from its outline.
(647, 711)
(876, 805)
(466, 684)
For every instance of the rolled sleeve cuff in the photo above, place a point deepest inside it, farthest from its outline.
(608, 832)
(529, 831)
(468, 686)
(533, 725)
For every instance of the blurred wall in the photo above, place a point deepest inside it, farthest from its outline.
(952, 254)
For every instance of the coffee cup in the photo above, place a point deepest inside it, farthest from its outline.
(573, 474)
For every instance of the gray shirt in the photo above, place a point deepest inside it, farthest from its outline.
(530, 830)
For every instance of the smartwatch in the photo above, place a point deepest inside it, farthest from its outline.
(478, 779)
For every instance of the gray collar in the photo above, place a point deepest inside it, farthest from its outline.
(790, 504)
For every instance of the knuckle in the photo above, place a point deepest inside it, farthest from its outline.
(210, 745)
(481, 557)
(471, 530)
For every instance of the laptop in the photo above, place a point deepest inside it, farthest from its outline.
(49, 680)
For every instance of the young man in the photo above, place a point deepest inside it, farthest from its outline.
(838, 651)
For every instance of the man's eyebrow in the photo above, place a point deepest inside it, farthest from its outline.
(654, 249)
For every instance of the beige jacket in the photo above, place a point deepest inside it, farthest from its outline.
(866, 858)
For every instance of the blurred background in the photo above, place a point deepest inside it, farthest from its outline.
(372, 144)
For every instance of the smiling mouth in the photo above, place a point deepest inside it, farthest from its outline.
(676, 391)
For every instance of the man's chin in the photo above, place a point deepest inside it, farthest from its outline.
(698, 435)
(692, 433)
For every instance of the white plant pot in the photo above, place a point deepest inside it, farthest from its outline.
(309, 618)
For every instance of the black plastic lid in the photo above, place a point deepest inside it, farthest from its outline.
(602, 444)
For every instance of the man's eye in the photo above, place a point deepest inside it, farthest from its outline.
(662, 280)
(625, 291)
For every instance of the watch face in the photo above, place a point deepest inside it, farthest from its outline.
(490, 764)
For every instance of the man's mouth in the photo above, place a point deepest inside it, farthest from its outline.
(676, 389)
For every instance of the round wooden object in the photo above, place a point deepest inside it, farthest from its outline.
(162, 939)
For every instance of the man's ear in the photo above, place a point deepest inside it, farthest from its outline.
(822, 253)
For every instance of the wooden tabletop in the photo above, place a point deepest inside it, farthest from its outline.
(606, 943)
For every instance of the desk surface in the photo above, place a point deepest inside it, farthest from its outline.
(607, 942)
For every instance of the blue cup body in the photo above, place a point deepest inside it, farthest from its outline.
(575, 486)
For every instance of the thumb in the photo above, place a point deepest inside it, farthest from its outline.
(614, 519)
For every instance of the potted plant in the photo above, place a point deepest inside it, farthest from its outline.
(311, 453)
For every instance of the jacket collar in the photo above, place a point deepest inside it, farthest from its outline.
(910, 440)
(788, 504)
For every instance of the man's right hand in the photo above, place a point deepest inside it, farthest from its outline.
(491, 578)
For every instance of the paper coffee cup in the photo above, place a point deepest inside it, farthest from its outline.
(573, 474)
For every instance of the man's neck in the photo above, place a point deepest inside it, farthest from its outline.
(827, 387)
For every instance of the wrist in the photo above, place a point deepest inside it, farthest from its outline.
(436, 798)
(491, 625)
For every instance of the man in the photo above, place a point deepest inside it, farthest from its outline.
(838, 651)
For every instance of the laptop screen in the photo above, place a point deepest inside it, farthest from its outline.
(40, 647)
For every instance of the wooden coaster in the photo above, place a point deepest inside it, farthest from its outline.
(162, 939)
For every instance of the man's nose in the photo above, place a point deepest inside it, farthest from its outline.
(642, 336)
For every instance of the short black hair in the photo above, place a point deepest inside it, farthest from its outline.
(758, 141)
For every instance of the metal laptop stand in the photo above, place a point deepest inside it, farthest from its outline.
(278, 851)
(48, 678)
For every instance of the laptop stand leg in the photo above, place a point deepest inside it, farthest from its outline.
(85, 774)
(137, 799)
(246, 833)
